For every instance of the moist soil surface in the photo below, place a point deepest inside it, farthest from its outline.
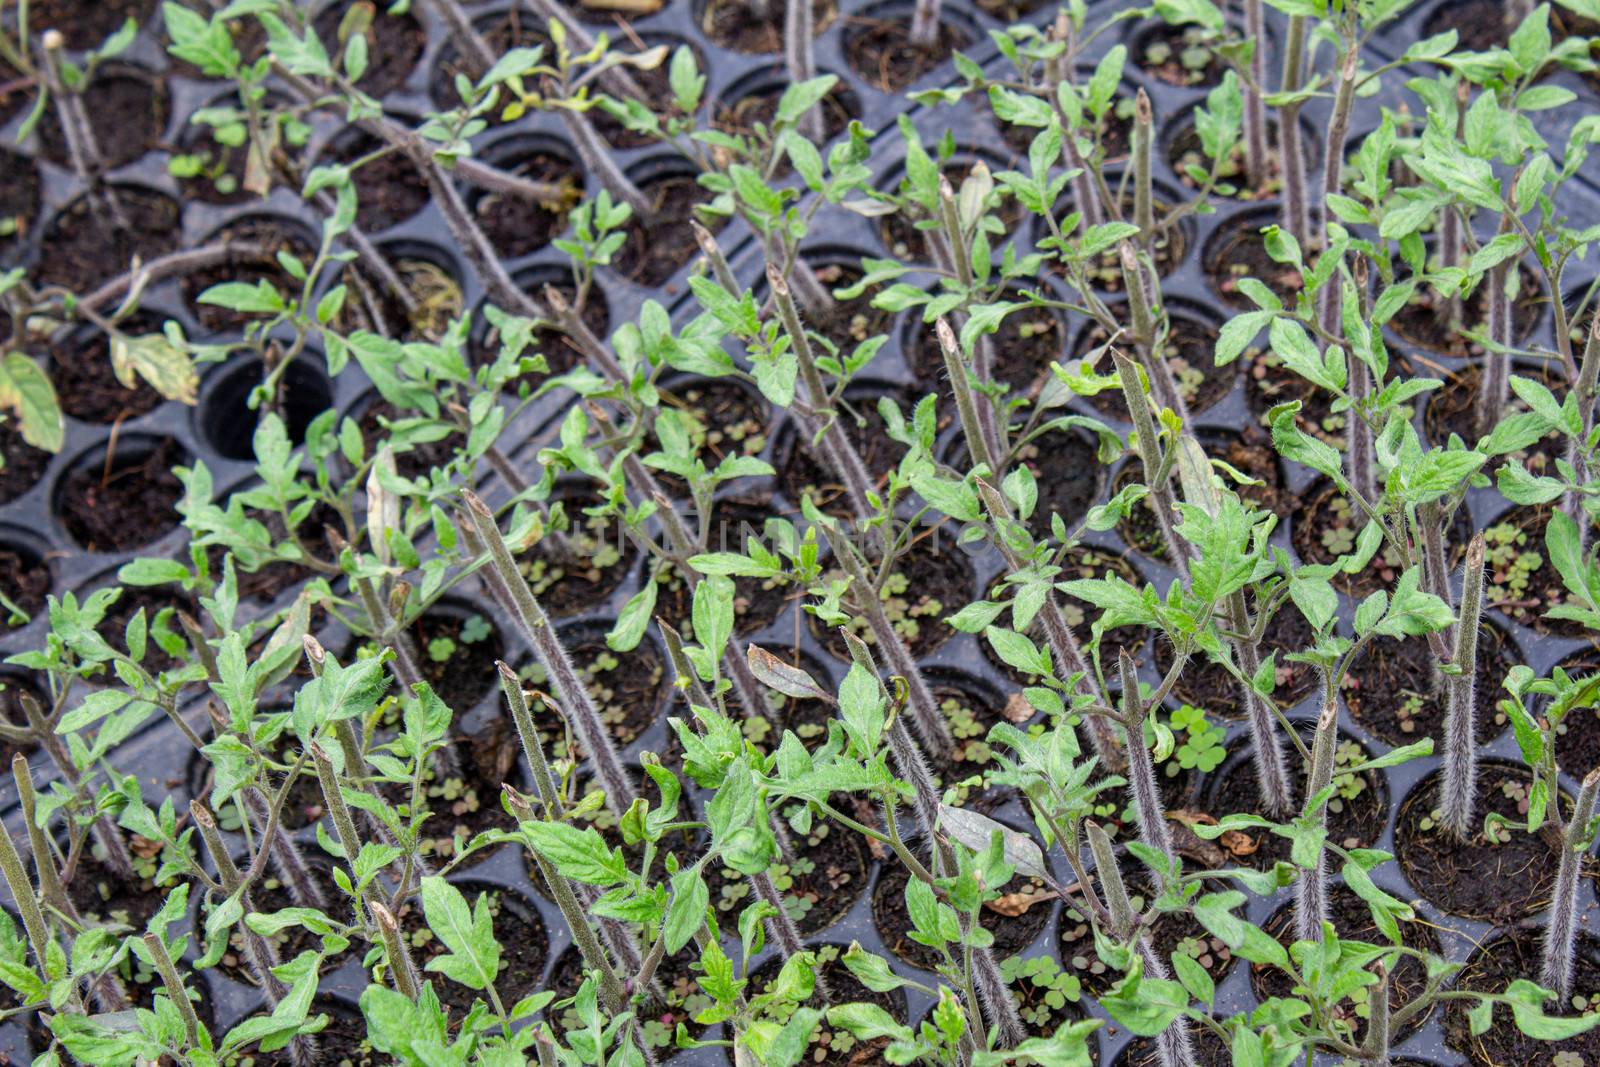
(661, 1017)
(930, 578)
(971, 708)
(584, 566)
(846, 323)
(756, 601)
(102, 897)
(801, 470)
(758, 108)
(343, 1041)
(560, 352)
(1520, 581)
(153, 600)
(626, 687)
(739, 26)
(1067, 472)
(1207, 684)
(25, 465)
(1352, 919)
(1188, 351)
(86, 384)
(122, 504)
(79, 252)
(464, 798)
(1425, 321)
(516, 27)
(1023, 348)
(1237, 251)
(880, 50)
(19, 195)
(524, 947)
(394, 45)
(1179, 55)
(24, 580)
(275, 236)
(1015, 918)
(389, 188)
(456, 655)
(269, 894)
(1491, 969)
(1324, 528)
(828, 876)
(656, 247)
(1453, 409)
(1353, 822)
(1481, 24)
(1408, 701)
(830, 1047)
(1167, 249)
(127, 110)
(515, 227)
(1499, 882)
(87, 23)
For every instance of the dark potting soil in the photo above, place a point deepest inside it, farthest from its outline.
(560, 352)
(79, 253)
(1023, 348)
(722, 417)
(1408, 699)
(582, 568)
(87, 23)
(456, 655)
(1481, 24)
(24, 580)
(1578, 735)
(1104, 271)
(1494, 966)
(389, 188)
(128, 111)
(153, 600)
(464, 800)
(524, 947)
(276, 237)
(1425, 321)
(86, 383)
(1494, 881)
(1520, 581)
(828, 875)
(394, 45)
(1237, 250)
(1354, 821)
(15, 91)
(1179, 55)
(741, 117)
(880, 51)
(832, 1047)
(679, 998)
(1067, 472)
(124, 501)
(1015, 918)
(1171, 934)
(847, 322)
(269, 894)
(223, 168)
(627, 688)
(1352, 920)
(343, 1041)
(19, 195)
(1209, 1050)
(1453, 409)
(413, 457)
(13, 684)
(971, 707)
(1268, 383)
(744, 27)
(657, 246)
(514, 226)
(1115, 133)
(801, 470)
(756, 601)
(1080, 562)
(267, 581)
(1207, 684)
(1325, 527)
(102, 897)
(516, 27)
(1188, 350)
(1185, 152)
(24, 464)
(929, 579)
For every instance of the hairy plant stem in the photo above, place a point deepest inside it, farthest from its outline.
(912, 766)
(1358, 440)
(1173, 1046)
(1086, 194)
(589, 947)
(715, 257)
(1380, 1026)
(172, 982)
(1461, 746)
(1255, 112)
(798, 32)
(1291, 153)
(83, 148)
(402, 970)
(468, 41)
(1585, 389)
(1144, 328)
(518, 601)
(15, 873)
(1494, 385)
(1561, 927)
(1142, 784)
(51, 891)
(286, 858)
(344, 827)
(117, 859)
(982, 404)
(1065, 653)
(597, 158)
(1144, 215)
(1159, 499)
(1311, 891)
(924, 33)
(930, 724)
(1330, 307)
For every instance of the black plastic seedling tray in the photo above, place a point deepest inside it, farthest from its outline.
(31, 525)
